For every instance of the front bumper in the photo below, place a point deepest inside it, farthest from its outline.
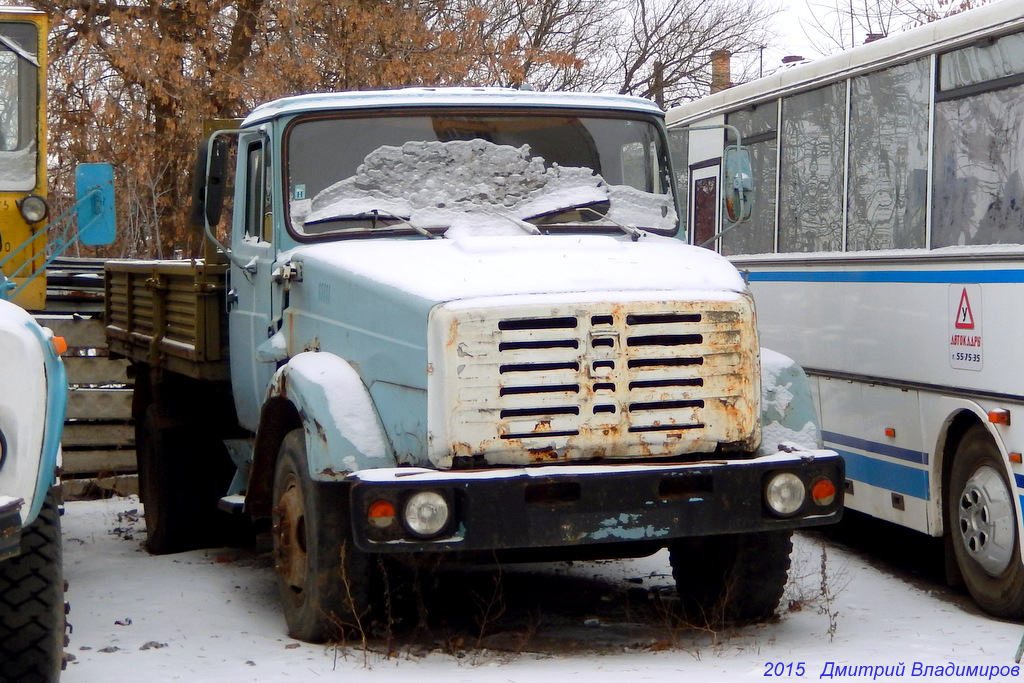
(575, 505)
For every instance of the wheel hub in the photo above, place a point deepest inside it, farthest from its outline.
(290, 534)
(986, 520)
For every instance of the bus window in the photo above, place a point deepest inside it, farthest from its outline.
(982, 63)
(758, 129)
(978, 193)
(889, 158)
(813, 143)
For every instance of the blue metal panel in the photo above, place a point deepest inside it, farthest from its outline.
(56, 405)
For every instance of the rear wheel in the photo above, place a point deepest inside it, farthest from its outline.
(183, 471)
(324, 580)
(983, 526)
(32, 602)
(732, 577)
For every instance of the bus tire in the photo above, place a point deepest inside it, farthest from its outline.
(181, 477)
(732, 578)
(32, 602)
(323, 579)
(983, 525)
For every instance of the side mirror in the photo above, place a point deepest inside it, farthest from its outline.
(208, 180)
(738, 184)
(94, 190)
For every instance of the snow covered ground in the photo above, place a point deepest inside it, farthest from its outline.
(214, 616)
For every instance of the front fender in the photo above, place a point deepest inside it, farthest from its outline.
(32, 406)
(343, 430)
(787, 407)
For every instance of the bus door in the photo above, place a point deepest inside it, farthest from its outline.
(704, 201)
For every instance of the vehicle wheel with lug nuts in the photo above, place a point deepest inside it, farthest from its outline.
(983, 525)
(731, 577)
(324, 580)
(32, 608)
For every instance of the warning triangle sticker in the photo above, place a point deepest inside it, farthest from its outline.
(964, 317)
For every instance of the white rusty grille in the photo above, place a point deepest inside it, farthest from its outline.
(645, 379)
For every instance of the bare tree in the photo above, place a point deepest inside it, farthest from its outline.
(679, 36)
(131, 81)
(835, 25)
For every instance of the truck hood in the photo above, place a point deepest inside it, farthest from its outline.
(443, 270)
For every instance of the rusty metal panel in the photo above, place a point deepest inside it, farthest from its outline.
(561, 383)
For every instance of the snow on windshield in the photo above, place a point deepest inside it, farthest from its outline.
(436, 184)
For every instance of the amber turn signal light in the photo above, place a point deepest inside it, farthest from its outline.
(823, 492)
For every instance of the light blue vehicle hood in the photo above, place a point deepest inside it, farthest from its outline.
(442, 270)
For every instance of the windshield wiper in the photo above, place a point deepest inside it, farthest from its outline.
(528, 228)
(373, 216)
(634, 232)
(598, 210)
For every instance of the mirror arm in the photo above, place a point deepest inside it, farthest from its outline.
(718, 234)
(207, 228)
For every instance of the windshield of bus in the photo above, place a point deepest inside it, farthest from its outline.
(18, 103)
(481, 173)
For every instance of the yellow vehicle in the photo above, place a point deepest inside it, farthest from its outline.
(23, 207)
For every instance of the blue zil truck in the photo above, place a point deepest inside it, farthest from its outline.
(444, 324)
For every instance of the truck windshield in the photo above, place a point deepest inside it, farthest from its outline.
(479, 172)
(19, 72)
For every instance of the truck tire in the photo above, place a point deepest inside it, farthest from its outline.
(181, 478)
(324, 580)
(731, 578)
(983, 525)
(32, 602)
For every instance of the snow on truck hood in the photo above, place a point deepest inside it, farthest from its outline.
(466, 267)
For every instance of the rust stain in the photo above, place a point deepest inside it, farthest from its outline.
(462, 449)
(453, 333)
(321, 433)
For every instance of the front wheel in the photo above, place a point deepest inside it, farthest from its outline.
(32, 602)
(983, 525)
(323, 579)
(732, 577)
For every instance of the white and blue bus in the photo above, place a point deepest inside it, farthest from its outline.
(886, 255)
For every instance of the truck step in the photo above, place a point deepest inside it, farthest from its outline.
(234, 505)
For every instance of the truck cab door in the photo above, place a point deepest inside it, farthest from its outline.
(250, 308)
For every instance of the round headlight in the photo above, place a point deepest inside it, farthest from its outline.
(785, 493)
(33, 208)
(426, 513)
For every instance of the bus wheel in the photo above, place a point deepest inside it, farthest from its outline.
(32, 602)
(323, 578)
(732, 577)
(983, 525)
